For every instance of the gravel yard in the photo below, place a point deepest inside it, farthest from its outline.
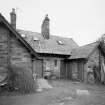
(63, 93)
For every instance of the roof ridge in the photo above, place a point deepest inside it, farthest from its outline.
(89, 44)
(85, 45)
(40, 33)
(27, 31)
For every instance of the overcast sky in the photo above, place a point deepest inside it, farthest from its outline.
(82, 20)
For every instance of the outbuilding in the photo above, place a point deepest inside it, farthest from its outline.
(85, 63)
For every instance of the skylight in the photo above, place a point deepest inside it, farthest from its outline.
(23, 35)
(60, 42)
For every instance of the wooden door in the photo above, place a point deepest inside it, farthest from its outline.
(81, 71)
(62, 69)
(69, 70)
(38, 68)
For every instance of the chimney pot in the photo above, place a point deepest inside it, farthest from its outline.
(13, 18)
(45, 31)
(13, 10)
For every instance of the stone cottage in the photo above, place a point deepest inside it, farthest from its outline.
(51, 49)
(58, 57)
(62, 57)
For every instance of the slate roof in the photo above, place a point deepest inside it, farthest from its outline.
(83, 51)
(54, 45)
(18, 36)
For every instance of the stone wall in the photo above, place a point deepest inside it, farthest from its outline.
(3, 50)
(49, 65)
(19, 55)
(13, 52)
(93, 60)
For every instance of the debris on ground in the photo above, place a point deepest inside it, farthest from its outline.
(76, 82)
(62, 103)
(61, 100)
(43, 84)
(82, 92)
(68, 98)
(39, 89)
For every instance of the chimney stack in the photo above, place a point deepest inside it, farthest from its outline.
(45, 31)
(13, 18)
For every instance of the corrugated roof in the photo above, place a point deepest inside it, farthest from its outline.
(52, 45)
(83, 51)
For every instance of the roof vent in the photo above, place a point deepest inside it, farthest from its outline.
(23, 35)
(60, 42)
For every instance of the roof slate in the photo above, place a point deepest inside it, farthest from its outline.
(50, 46)
(83, 51)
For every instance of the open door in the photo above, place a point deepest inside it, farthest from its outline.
(38, 68)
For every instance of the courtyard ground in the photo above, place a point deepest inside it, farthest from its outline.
(63, 93)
